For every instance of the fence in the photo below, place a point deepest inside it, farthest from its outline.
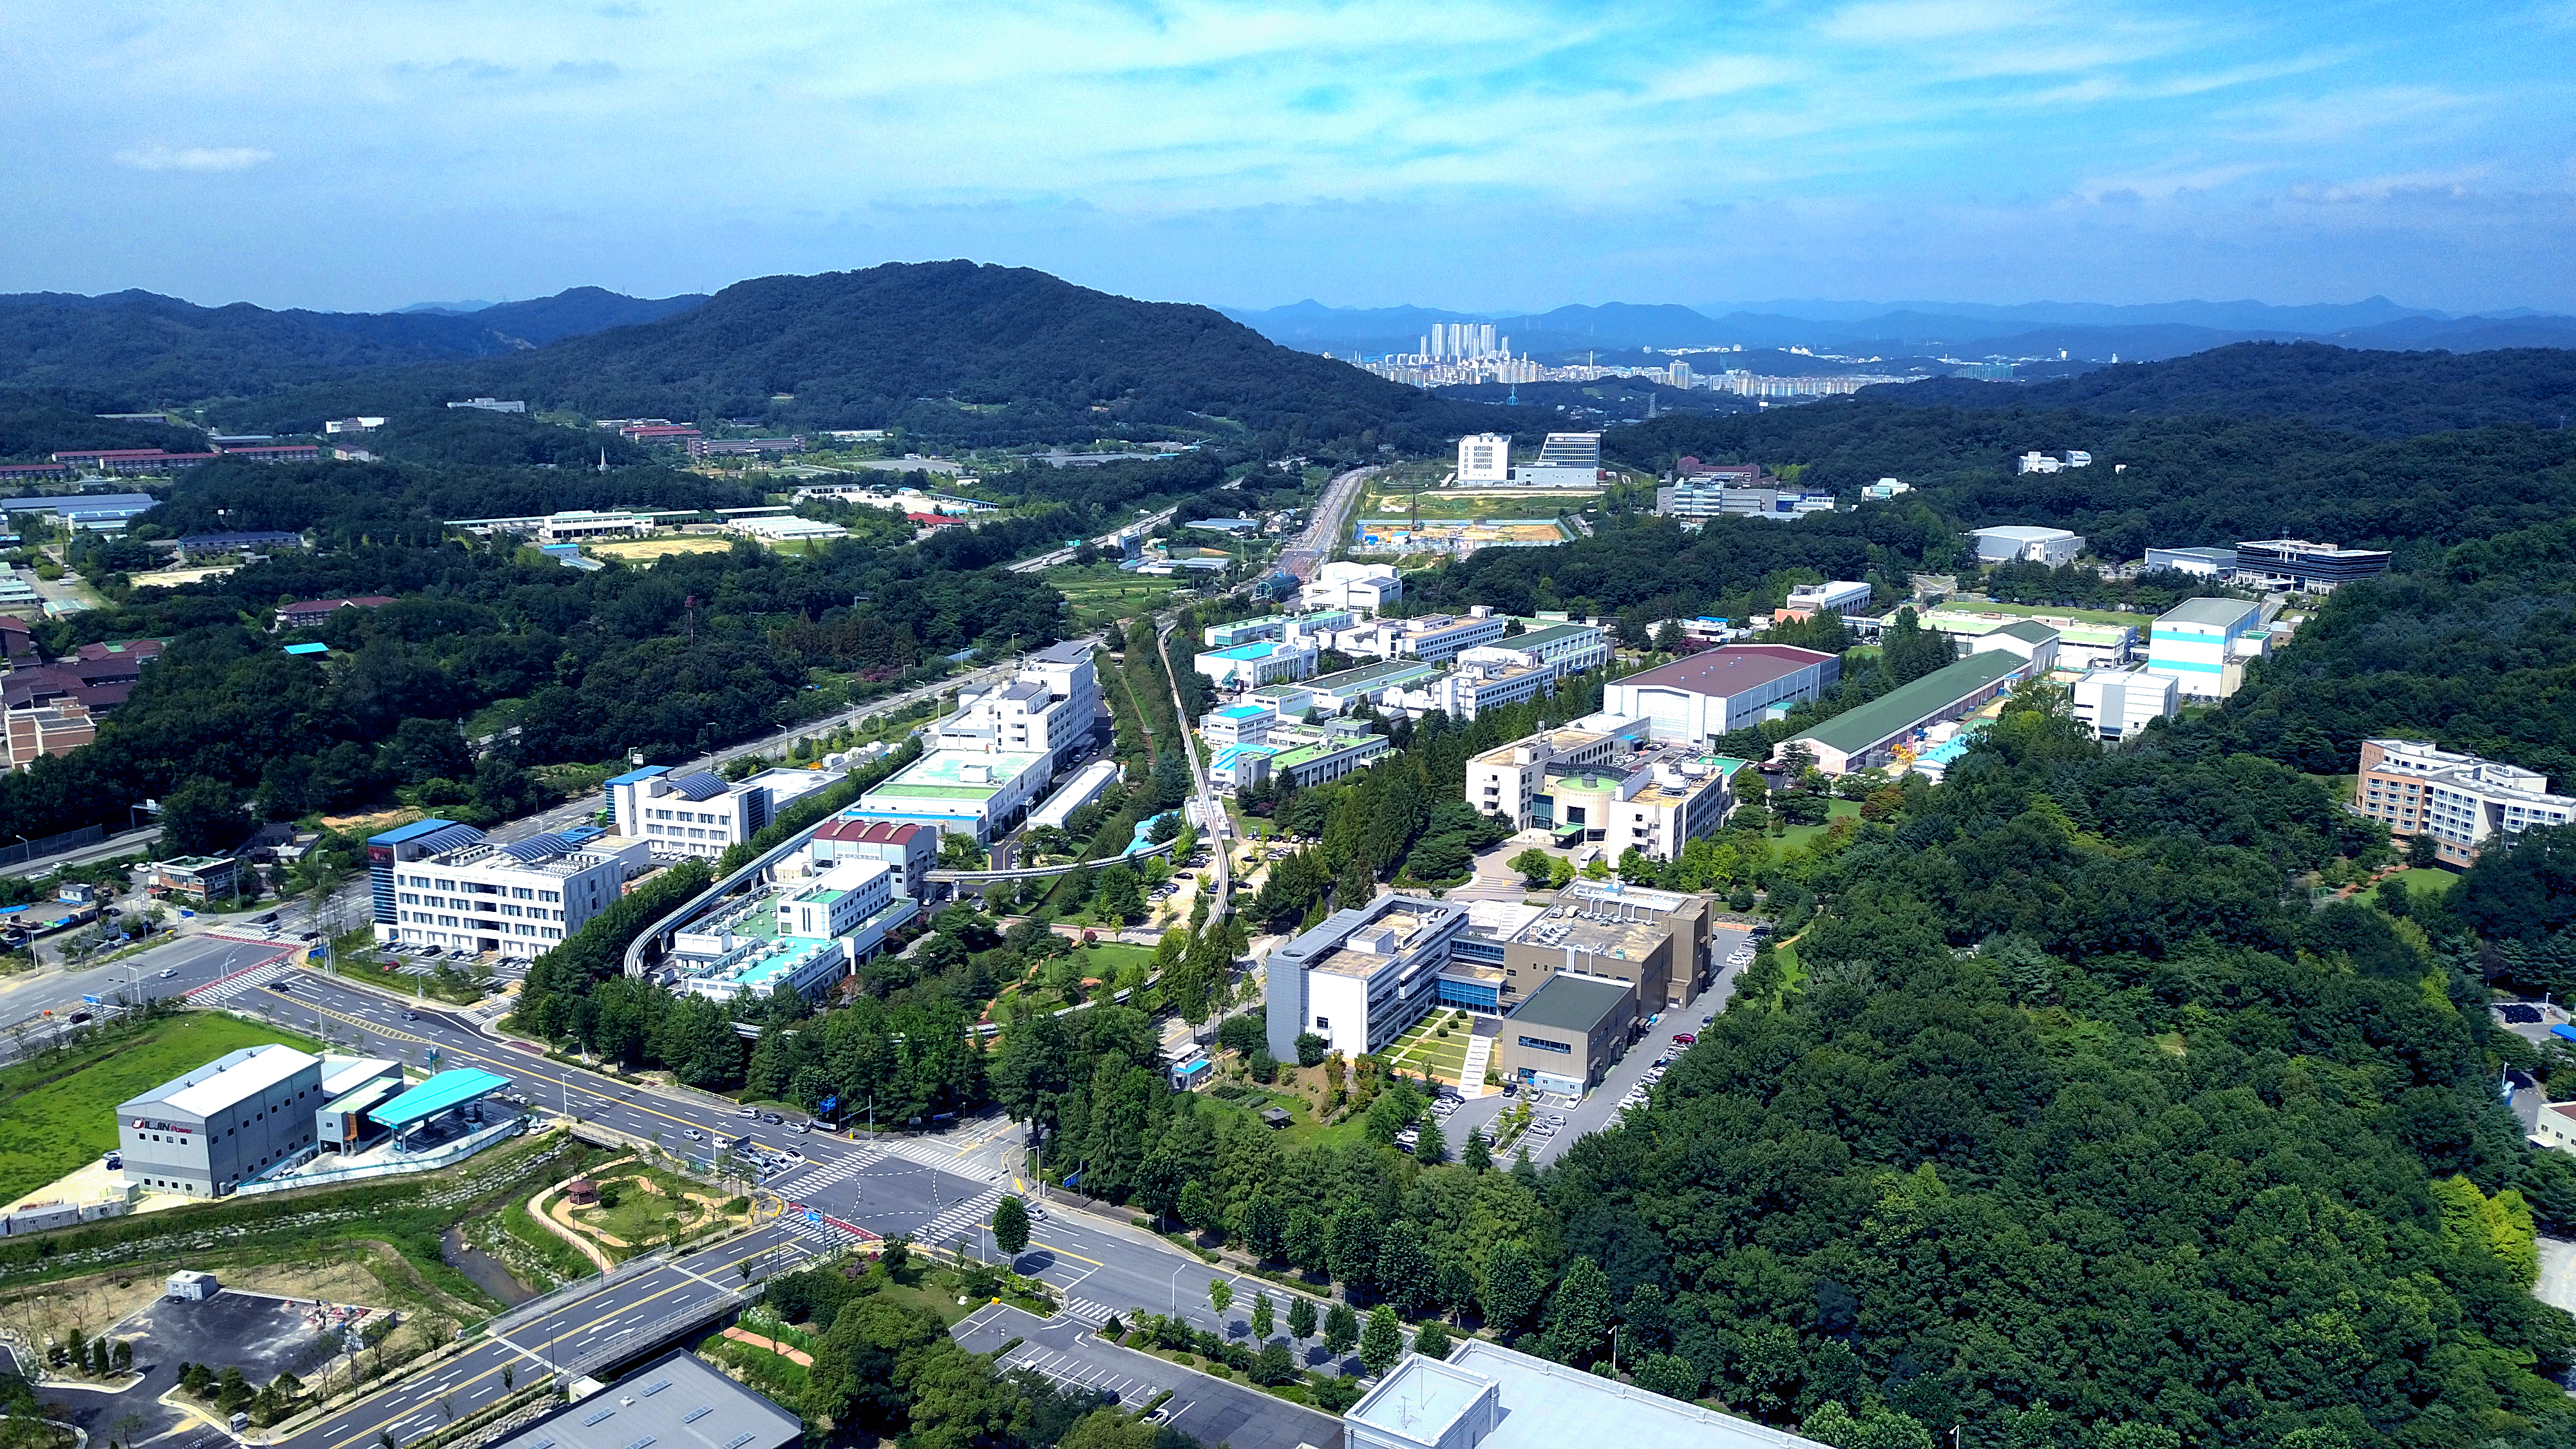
(574, 1292)
(437, 1157)
(28, 850)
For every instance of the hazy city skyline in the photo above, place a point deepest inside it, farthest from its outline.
(1481, 158)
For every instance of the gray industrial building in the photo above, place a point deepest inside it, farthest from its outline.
(678, 1401)
(204, 1132)
(1567, 1033)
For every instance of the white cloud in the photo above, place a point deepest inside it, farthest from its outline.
(193, 158)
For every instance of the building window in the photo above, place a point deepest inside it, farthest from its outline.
(1542, 1044)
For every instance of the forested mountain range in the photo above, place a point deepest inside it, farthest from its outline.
(948, 350)
(150, 350)
(2384, 394)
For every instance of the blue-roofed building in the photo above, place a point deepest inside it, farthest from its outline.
(631, 777)
(1250, 666)
(450, 1097)
(407, 843)
(515, 900)
(307, 651)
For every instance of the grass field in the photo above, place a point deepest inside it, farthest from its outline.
(1100, 592)
(1421, 1049)
(2138, 622)
(58, 1112)
(1795, 837)
(2427, 880)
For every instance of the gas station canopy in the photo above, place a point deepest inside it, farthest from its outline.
(440, 1093)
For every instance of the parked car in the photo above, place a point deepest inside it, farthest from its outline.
(1685, 1038)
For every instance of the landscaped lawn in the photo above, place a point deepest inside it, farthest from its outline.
(1795, 837)
(59, 1111)
(2426, 880)
(2086, 616)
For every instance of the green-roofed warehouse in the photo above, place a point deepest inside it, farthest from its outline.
(1858, 739)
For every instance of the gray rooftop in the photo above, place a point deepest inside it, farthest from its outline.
(678, 1401)
(1536, 1404)
(2213, 612)
(1071, 651)
(1572, 1003)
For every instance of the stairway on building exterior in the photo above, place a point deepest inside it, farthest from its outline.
(1471, 1077)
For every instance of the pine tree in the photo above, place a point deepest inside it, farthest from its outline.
(1478, 1154)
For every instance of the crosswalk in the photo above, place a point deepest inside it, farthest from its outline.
(215, 993)
(824, 1232)
(959, 1221)
(813, 1175)
(1086, 1311)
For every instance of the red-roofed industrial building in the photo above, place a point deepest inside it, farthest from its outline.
(911, 849)
(311, 613)
(1719, 691)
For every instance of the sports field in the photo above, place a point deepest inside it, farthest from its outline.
(59, 1111)
(1453, 504)
(645, 549)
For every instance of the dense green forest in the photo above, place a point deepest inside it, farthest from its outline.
(948, 350)
(2475, 648)
(2382, 394)
(2183, 480)
(152, 350)
(2068, 1120)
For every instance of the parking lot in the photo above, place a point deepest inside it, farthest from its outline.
(1210, 1409)
(261, 1335)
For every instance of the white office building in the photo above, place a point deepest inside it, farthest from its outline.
(1841, 596)
(1485, 458)
(1431, 637)
(700, 814)
(1486, 1396)
(1050, 707)
(1250, 666)
(517, 900)
(2463, 801)
(1565, 460)
(1363, 976)
(1508, 780)
(1362, 588)
(2205, 643)
(1566, 648)
(2017, 544)
(836, 901)
(2207, 563)
(2026, 639)
(2118, 703)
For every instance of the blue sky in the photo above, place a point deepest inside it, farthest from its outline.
(1477, 155)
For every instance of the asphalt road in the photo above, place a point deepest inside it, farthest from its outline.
(524, 1352)
(1140, 527)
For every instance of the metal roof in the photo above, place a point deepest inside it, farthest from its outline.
(414, 831)
(678, 1401)
(230, 1078)
(2216, 613)
(536, 848)
(439, 1093)
(700, 786)
(1903, 707)
(1572, 1003)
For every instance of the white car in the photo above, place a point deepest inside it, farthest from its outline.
(748, 1112)
(169, 971)
(693, 1134)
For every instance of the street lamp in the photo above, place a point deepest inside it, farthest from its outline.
(1176, 1289)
